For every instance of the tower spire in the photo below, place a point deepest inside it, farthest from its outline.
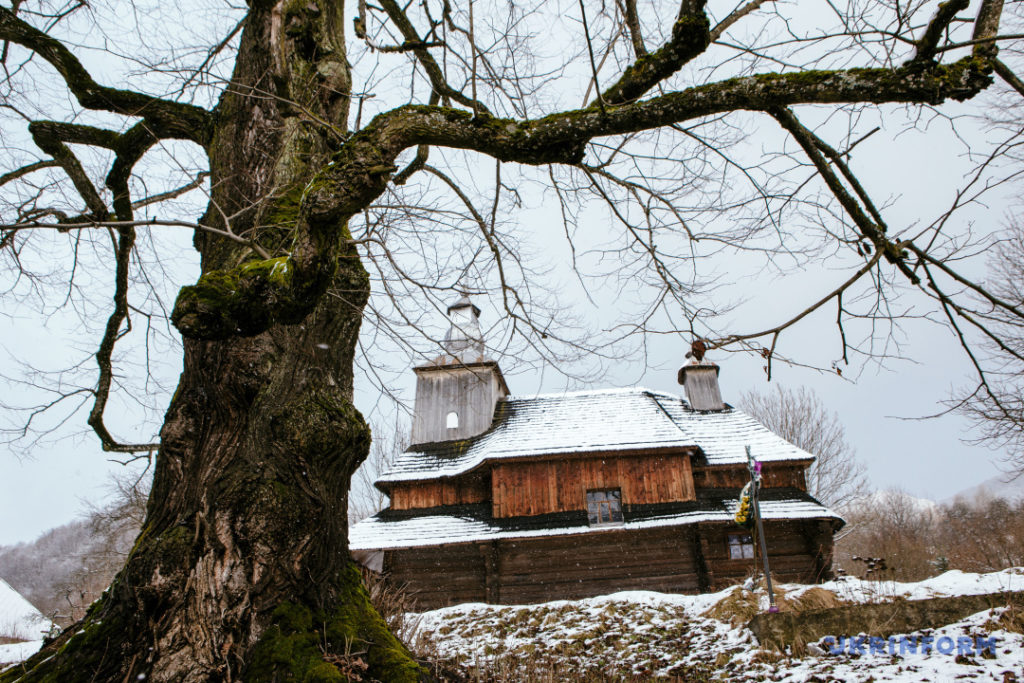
(464, 340)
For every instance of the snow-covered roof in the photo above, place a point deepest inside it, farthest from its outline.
(390, 530)
(19, 619)
(594, 422)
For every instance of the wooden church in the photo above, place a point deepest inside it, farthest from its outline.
(511, 500)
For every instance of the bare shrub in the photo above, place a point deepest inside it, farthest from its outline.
(892, 526)
(983, 535)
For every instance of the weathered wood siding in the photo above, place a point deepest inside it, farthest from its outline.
(475, 489)
(794, 553)
(736, 476)
(535, 488)
(551, 568)
(570, 567)
(785, 475)
(437, 576)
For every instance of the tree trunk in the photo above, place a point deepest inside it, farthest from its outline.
(242, 570)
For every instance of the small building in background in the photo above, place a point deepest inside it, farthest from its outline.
(509, 500)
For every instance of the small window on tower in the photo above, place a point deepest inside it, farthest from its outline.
(604, 507)
(453, 420)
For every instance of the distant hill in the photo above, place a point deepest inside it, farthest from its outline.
(998, 486)
(64, 570)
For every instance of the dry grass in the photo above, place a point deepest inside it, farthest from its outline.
(1011, 619)
(741, 605)
(816, 598)
(736, 608)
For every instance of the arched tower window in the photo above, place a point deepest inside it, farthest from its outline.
(453, 420)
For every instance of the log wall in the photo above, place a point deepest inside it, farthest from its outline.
(571, 567)
(793, 553)
(430, 494)
(551, 568)
(736, 476)
(686, 559)
(437, 576)
(535, 488)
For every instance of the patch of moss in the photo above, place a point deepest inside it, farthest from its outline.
(244, 300)
(302, 643)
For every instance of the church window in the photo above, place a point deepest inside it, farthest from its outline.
(604, 507)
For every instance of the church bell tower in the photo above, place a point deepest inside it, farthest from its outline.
(456, 392)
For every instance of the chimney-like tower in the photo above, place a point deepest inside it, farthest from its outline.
(700, 380)
(464, 340)
(456, 392)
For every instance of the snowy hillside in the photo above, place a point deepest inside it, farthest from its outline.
(19, 620)
(650, 636)
(21, 626)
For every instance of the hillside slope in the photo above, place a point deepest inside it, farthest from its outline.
(653, 636)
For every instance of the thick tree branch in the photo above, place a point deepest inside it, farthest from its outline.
(25, 170)
(247, 299)
(174, 119)
(986, 26)
(1007, 75)
(737, 14)
(112, 332)
(633, 26)
(690, 37)
(47, 136)
(944, 16)
(869, 229)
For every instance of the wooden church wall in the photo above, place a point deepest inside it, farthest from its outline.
(736, 476)
(571, 567)
(538, 487)
(673, 559)
(437, 576)
(475, 489)
(795, 553)
(549, 568)
(534, 488)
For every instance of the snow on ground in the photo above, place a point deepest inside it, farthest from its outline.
(18, 652)
(953, 582)
(642, 635)
(19, 619)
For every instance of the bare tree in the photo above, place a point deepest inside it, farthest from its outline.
(390, 158)
(365, 499)
(891, 533)
(996, 407)
(798, 416)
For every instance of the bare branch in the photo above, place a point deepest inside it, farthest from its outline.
(174, 119)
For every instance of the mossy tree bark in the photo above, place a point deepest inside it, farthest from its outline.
(242, 571)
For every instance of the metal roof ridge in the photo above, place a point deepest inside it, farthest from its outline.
(610, 391)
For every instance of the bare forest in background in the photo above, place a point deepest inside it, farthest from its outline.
(890, 535)
(67, 568)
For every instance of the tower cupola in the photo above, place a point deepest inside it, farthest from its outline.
(464, 339)
(456, 393)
